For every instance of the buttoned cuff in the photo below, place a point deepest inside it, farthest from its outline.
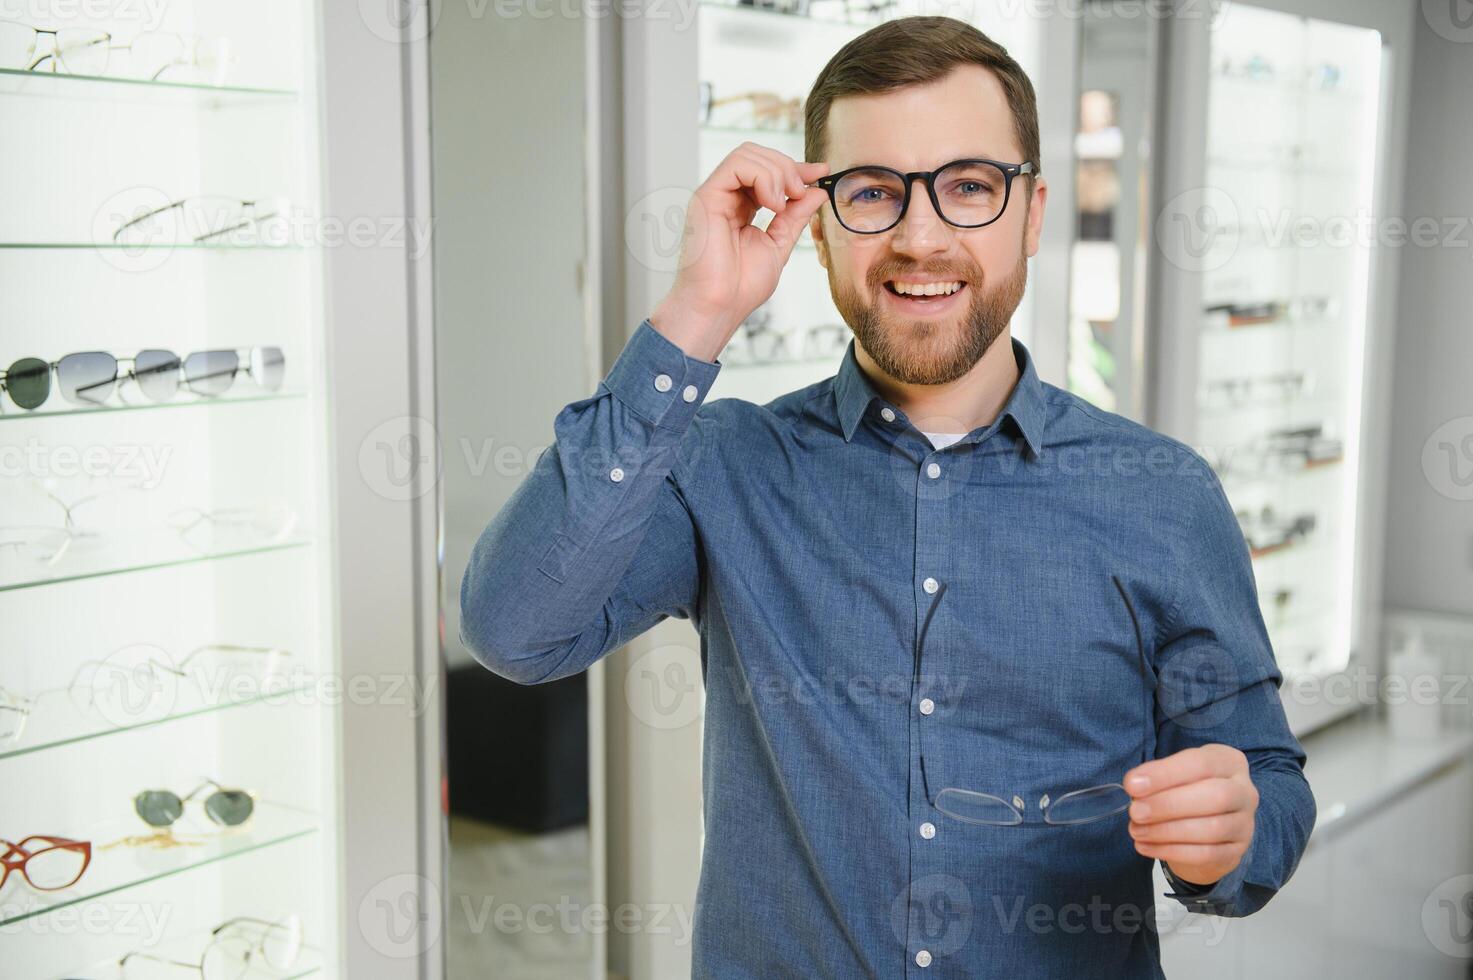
(1217, 898)
(658, 381)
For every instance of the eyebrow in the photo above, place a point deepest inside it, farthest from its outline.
(968, 156)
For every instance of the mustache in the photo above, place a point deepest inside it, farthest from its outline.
(883, 277)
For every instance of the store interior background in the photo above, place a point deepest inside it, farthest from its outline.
(553, 155)
(1404, 823)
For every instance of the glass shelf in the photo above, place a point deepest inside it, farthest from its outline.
(188, 949)
(19, 573)
(14, 81)
(796, 134)
(57, 721)
(772, 12)
(12, 414)
(160, 247)
(128, 865)
(1317, 466)
(1279, 87)
(1280, 323)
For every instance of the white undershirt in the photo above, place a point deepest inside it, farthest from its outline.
(942, 439)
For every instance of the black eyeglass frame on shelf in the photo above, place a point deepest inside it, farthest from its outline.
(1005, 813)
(830, 183)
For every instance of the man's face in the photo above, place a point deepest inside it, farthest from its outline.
(935, 340)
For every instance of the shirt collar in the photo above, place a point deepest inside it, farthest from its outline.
(1027, 407)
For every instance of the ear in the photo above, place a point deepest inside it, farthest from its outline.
(815, 231)
(1033, 230)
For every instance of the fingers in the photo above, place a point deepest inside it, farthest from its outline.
(1219, 829)
(1186, 766)
(1205, 798)
(768, 177)
(787, 225)
(795, 175)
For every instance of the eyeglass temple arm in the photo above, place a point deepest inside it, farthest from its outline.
(145, 216)
(230, 648)
(159, 959)
(245, 918)
(1140, 649)
(915, 680)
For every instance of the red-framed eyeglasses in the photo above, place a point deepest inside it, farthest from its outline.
(57, 863)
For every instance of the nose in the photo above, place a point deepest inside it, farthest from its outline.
(921, 231)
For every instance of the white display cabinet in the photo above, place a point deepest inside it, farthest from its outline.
(1280, 180)
(165, 558)
(1292, 125)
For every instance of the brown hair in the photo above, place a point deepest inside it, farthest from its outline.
(914, 51)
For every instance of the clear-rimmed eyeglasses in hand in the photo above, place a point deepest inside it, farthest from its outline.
(209, 219)
(236, 947)
(1073, 806)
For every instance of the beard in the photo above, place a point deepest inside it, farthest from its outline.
(930, 352)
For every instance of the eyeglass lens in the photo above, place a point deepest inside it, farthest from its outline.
(968, 192)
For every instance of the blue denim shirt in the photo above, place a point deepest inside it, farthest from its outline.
(807, 539)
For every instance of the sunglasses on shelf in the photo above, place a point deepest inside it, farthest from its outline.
(89, 378)
(226, 807)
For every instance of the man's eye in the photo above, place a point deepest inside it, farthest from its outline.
(971, 188)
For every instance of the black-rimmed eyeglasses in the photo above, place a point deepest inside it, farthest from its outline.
(968, 193)
(1074, 806)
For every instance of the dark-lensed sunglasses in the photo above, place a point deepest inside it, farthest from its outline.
(226, 807)
(89, 378)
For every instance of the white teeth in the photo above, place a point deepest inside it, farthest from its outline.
(926, 289)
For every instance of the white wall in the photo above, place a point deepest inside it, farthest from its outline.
(1429, 542)
(507, 98)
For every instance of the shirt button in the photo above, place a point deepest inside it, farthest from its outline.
(928, 830)
(930, 585)
(887, 415)
(933, 470)
(663, 382)
(616, 474)
(923, 958)
(927, 706)
(690, 393)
